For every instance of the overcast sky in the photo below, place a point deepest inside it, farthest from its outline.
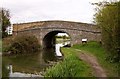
(41, 10)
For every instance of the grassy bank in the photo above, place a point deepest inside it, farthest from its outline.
(71, 66)
(61, 40)
(97, 50)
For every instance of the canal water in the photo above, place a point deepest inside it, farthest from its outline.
(35, 64)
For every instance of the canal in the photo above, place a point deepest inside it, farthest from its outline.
(34, 65)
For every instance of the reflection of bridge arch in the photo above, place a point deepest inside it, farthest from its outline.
(77, 31)
(49, 38)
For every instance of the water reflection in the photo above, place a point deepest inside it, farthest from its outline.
(54, 53)
(33, 65)
(49, 54)
(21, 65)
(18, 74)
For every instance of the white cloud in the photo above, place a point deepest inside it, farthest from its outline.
(37, 10)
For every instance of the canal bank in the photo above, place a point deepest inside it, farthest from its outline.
(31, 63)
(91, 48)
(24, 65)
(96, 49)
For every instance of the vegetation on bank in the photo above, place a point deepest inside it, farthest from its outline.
(21, 49)
(107, 18)
(21, 44)
(63, 37)
(97, 50)
(6, 42)
(71, 66)
(61, 40)
(5, 15)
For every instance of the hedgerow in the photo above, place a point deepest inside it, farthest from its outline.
(22, 44)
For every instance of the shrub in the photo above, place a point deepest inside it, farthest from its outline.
(107, 18)
(24, 44)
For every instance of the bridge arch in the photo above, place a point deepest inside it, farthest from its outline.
(44, 30)
(49, 38)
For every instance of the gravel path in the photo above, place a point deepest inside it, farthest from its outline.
(98, 71)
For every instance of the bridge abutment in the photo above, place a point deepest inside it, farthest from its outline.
(45, 31)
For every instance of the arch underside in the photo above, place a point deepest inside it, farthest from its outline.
(49, 39)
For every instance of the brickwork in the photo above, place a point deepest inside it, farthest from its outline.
(77, 31)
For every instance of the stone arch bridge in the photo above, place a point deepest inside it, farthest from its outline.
(45, 31)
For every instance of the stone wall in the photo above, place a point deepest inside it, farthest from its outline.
(22, 26)
(77, 31)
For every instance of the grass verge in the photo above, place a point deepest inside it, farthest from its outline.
(71, 66)
(97, 50)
